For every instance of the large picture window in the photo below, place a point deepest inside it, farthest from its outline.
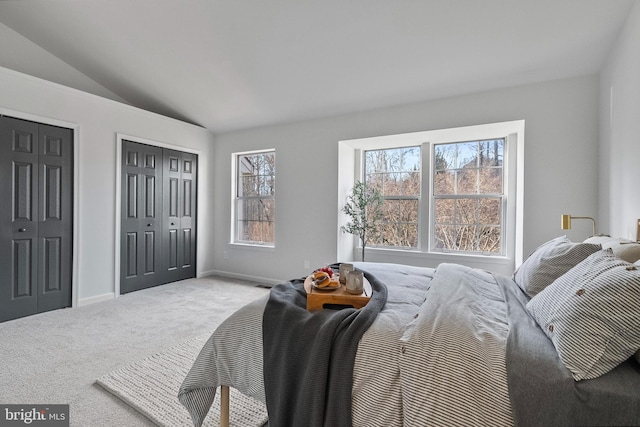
(255, 197)
(449, 195)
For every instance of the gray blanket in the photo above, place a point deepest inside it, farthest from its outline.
(309, 356)
(542, 390)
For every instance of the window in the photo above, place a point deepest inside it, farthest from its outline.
(450, 195)
(468, 198)
(395, 172)
(255, 197)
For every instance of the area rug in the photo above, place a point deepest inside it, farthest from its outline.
(151, 387)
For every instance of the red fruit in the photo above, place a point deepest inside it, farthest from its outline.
(327, 270)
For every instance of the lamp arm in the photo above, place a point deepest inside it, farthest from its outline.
(587, 217)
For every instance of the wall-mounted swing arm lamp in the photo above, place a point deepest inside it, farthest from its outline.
(566, 222)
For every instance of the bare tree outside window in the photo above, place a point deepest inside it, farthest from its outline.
(468, 193)
(395, 173)
(255, 198)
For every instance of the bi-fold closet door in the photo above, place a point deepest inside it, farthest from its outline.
(158, 219)
(36, 217)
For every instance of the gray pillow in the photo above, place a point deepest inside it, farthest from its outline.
(592, 314)
(550, 261)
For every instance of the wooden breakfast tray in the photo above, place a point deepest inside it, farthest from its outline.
(317, 299)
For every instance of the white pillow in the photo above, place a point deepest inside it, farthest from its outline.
(550, 261)
(592, 314)
(602, 239)
(607, 241)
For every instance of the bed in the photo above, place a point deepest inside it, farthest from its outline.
(555, 344)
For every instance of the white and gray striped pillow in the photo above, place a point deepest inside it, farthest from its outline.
(637, 353)
(592, 314)
(550, 261)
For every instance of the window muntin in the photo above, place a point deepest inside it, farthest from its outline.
(468, 196)
(396, 173)
(255, 198)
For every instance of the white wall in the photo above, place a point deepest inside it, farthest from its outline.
(620, 132)
(21, 54)
(98, 121)
(561, 161)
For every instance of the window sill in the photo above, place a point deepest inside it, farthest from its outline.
(253, 246)
(440, 256)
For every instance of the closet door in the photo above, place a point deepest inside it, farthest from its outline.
(158, 223)
(179, 243)
(141, 258)
(19, 223)
(36, 170)
(55, 212)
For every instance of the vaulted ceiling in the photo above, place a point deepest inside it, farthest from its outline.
(232, 64)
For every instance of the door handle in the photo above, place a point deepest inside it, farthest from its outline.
(173, 223)
(149, 225)
(22, 230)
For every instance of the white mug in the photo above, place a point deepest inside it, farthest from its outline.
(355, 282)
(344, 269)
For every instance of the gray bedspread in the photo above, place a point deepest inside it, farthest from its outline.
(543, 392)
(309, 356)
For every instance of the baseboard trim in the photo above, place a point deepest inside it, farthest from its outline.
(98, 298)
(231, 275)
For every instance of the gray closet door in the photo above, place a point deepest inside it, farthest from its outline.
(158, 216)
(141, 219)
(36, 217)
(179, 243)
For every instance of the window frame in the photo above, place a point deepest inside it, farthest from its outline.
(235, 199)
(350, 169)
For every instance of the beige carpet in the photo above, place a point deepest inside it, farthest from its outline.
(151, 387)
